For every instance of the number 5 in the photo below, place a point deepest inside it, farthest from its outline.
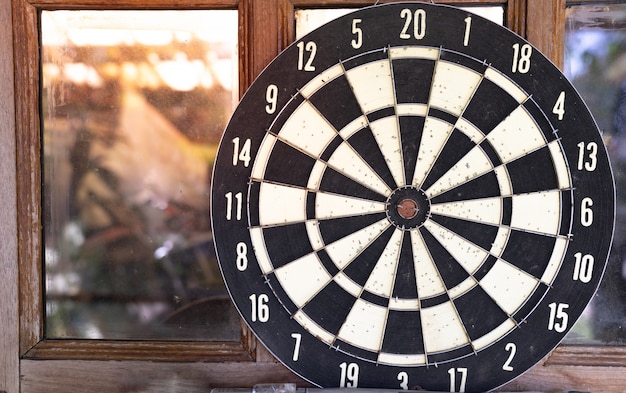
(356, 30)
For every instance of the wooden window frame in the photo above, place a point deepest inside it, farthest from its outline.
(31, 363)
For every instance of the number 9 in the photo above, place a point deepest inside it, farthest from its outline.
(271, 96)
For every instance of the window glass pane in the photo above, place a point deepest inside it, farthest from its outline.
(310, 19)
(133, 105)
(595, 62)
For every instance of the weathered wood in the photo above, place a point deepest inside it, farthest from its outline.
(545, 28)
(133, 4)
(27, 125)
(586, 355)
(109, 376)
(9, 323)
(559, 379)
(158, 351)
(115, 376)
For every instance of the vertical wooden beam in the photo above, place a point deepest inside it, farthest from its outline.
(28, 159)
(265, 37)
(545, 28)
(516, 16)
(9, 315)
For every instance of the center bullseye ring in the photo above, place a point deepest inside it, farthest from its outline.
(408, 207)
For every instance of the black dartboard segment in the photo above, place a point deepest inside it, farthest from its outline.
(411, 196)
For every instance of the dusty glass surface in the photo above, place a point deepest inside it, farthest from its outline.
(595, 62)
(133, 106)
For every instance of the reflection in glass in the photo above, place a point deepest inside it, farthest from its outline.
(595, 62)
(133, 106)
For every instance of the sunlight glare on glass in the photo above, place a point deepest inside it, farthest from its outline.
(147, 28)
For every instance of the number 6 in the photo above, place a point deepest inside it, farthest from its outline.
(586, 213)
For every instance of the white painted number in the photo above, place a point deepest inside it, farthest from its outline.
(510, 347)
(356, 30)
(306, 64)
(403, 377)
(521, 58)
(418, 20)
(242, 256)
(586, 214)
(349, 375)
(271, 96)
(590, 150)
(462, 372)
(237, 207)
(468, 26)
(583, 268)
(241, 153)
(558, 317)
(260, 308)
(296, 347)
(559, 106)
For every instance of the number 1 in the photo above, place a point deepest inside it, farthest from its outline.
(468, 26)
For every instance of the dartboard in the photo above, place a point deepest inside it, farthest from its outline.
(411, 196)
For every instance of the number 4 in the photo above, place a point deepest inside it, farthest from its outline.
(559, 106)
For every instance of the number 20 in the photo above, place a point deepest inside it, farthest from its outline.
(419, 24)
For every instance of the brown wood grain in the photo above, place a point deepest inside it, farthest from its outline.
(545, 28)
(9, 323)
(27, 123)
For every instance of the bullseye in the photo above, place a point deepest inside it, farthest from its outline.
(408, 207)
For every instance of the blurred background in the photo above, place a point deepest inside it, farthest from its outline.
(595, 62)
(134, 104)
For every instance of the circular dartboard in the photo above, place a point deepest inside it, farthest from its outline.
(411, 196)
